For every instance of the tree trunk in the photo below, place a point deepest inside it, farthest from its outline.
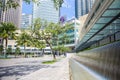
(6, 42)
(54, 57)
(3, 20)
(3, 46)
(24, 51)
(5, 50)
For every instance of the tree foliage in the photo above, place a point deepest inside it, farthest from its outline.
(1, 48)
(7, 30)
(49, 32)
(23, 39)
(9, 50)
(17, 51)
(61, 49)
(45, 31)
(30, 38)
(5, 5)
(58, 3)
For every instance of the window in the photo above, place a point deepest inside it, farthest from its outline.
(9, 46)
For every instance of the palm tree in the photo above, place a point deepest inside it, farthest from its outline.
(1, 49)
(57, 3)
(6, 5)
(7, 30)
(9, 50)
(24, 40)
(17, 51)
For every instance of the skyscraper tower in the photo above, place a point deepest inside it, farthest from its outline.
(82, 7)
(26, 21)
(12, 15)
(46, 11)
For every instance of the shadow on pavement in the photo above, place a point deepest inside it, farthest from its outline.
(29, 62)
(19, 70)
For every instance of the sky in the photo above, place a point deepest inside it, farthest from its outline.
(67, 9)
(26, 8)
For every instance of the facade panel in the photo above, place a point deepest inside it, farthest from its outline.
(12, 15)
(82, 7)
(26, 21)
(46, 11)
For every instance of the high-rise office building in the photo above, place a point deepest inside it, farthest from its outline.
(82, 7)
(90, 4)
(26, 21)
(72, 35)
(46, 11)
(12, 15)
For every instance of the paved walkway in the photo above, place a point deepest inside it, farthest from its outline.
(57, 71)
(33, 69)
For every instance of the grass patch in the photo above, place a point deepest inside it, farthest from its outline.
(49, 62)
(4, 58)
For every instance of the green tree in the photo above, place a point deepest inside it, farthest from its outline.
(1, 48)
(65, 29)
(9, 50)
(7, 4)
(48, 32)
(24, 40)
(39, 44)
(57, 3)
(36, 35)
(45, 32)
(52, 30)
(63, 49)
(64, 39)
(17, 51)
(7, 30)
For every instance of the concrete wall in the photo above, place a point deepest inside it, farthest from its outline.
(80, 72)
(104, 60)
